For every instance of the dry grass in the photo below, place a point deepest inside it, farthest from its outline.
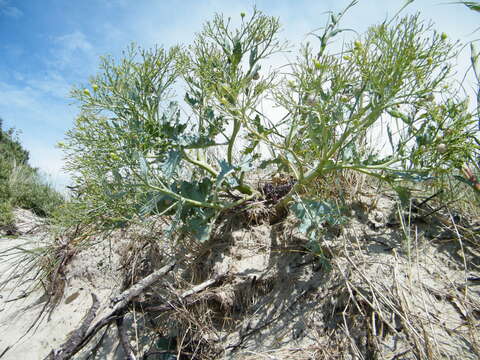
(396, 287)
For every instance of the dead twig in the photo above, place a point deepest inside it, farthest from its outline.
(127, 348)
(71, 346)
(122, 300)
(81, 336)
(196, 289)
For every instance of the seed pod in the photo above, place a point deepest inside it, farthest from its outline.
(442, 148)
(310, 100)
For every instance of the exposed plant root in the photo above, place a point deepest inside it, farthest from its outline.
(194, 290)
(89, 328)
(73, 344)
(127, 348)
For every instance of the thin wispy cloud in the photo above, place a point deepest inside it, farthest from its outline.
(11, 11)
(71, 50)
(51, 83)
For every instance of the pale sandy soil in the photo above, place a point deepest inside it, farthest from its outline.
(410, 299)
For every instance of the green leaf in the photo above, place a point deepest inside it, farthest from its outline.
(199, 222)
(258, 124)
(177, 219)
(156, 203)
(237, 52)
(194, 190)
(475, 59)
(312, 214)
(251, 147)
(472, 5)
(225, 170)
(118, 195)
(169, 167)
(117, 176)
(390, 137)
(190, 100)
(200, 229)
(253, 56)
(404, 194)
(143, 165)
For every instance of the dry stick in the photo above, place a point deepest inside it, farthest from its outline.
(70, 347)
(122, 300)
(192, 291)
(81, 336)
(124, 340)
(94, 349)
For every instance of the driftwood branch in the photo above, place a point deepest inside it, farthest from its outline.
(115, 311)
(122, 300)
(122, 334)
(71, 346)
(82, 335)
(194, 290)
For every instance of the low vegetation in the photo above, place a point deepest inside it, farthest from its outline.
(21, 185)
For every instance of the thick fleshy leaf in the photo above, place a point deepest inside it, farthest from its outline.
(313, 214)
(225, 170)
(143, 165)
(169, 167)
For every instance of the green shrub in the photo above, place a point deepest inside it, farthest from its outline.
(30, 191)
(6, 214)
(134, 151)
(20, 184)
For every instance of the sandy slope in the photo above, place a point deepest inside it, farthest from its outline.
(405, 300)
(18, 313)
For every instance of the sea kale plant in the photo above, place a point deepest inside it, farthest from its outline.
(137, 149)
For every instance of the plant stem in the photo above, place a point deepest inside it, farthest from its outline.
(199, 163)
(231, 142)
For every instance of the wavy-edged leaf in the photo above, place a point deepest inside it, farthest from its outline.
(313, 213)
(225, 170)
(143, 165)
(169, 167)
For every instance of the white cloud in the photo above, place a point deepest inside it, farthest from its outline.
(74, 41)
(10, 11)
(51, 83)
(50, 162)
(42, 122)
(72, 52)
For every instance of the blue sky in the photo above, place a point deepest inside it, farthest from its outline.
(47, 46)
